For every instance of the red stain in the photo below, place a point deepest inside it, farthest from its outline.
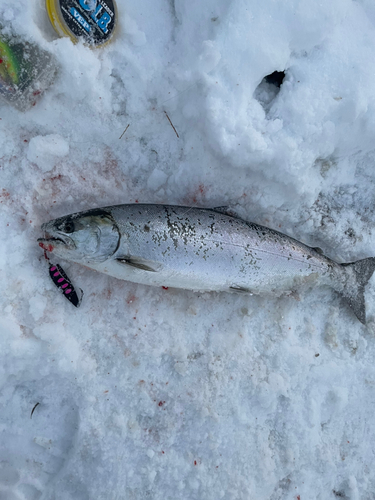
(164, 287)
(161, 403)
(1, 61)
(200, 191)
(57, 177)
(195, 462)
(46, 246)
(298, 497)
(131, 299)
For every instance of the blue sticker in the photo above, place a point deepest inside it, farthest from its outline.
(97, 10)
(93, 20)
(87, 4)
(80, 19)
(104, 21)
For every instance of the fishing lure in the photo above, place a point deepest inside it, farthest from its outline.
(26, 70)
(62, 281)
(9, 65)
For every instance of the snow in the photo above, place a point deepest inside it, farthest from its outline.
(43, 150)
(165, 394)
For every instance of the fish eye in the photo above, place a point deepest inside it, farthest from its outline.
(68, 227)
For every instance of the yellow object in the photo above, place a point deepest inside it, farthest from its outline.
(93, 21)
(54, 14)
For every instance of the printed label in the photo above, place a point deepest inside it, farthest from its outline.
(94, 20)
(80, 19)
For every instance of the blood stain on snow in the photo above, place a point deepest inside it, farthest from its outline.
(200, 191)
(56, 177)
(46, 246)
(131, 298)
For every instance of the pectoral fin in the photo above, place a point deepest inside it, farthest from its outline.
(139, 263)
(240, 289)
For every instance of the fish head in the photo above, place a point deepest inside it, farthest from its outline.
(87, 237)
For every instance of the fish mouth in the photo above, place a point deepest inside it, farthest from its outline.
(51, 239)
(49, 242)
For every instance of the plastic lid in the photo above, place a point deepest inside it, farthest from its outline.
(92, 20)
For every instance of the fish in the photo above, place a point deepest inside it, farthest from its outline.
(200, 249)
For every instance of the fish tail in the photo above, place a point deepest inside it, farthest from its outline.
(357, 276)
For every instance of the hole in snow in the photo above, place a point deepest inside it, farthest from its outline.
(268, 89)
(276, 78)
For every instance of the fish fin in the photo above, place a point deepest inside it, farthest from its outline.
(358, 274)
(226, 210)
(318, 250)
(138, 263)
(240, 289)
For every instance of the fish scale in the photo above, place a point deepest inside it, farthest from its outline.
(204, 250)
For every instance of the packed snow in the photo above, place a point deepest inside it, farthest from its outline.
(146, 393)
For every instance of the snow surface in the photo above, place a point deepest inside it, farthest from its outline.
(147, 393)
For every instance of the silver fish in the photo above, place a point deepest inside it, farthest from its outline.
(200, 249)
